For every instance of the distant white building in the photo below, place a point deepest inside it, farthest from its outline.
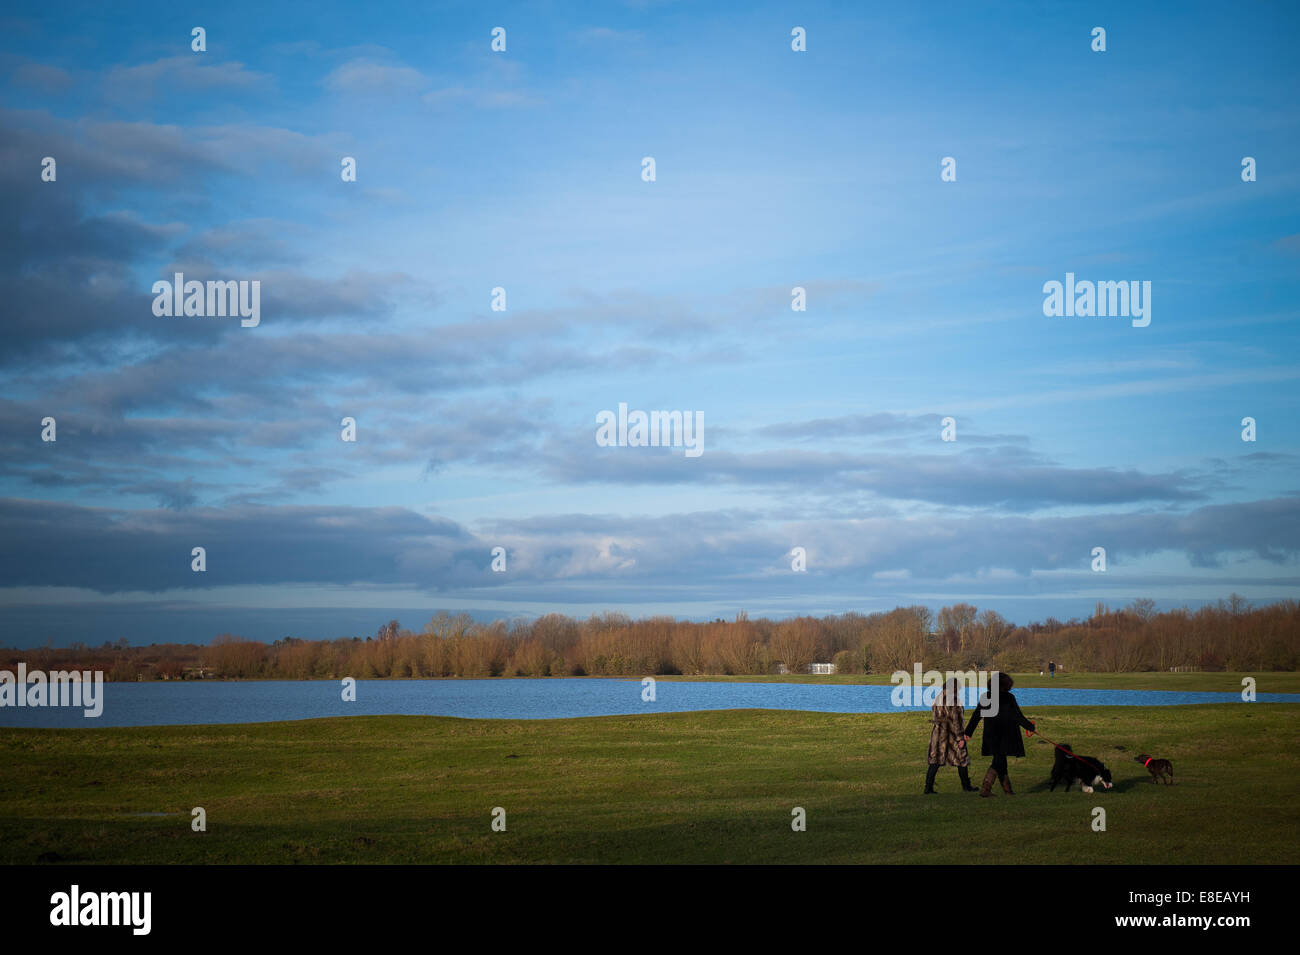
(823, 668)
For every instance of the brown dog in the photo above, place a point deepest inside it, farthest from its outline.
(1158, 768)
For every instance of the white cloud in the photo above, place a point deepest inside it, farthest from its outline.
(367, 76)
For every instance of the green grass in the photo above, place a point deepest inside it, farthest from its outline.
(689, 787)
(1266, 682)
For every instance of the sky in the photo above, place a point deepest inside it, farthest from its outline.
(523, 169)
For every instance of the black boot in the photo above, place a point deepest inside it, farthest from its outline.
(964, 775)
(929, 779)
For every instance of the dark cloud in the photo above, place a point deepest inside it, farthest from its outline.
(851, 426)
(251, 242)
(47, 543)
(70, 277)
(42, 77)
(884, 425)
(52, 544)
(1007, 477)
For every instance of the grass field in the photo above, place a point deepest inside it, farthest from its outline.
(691, 787)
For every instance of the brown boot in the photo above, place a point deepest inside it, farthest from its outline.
(986, 787)
(1006, 785)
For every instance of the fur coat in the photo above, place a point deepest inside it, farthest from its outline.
(947, 748)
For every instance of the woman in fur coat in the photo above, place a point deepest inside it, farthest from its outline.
(947, 741)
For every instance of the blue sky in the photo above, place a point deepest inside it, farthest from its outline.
(522, 169)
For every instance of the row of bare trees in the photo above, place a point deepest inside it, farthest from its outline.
(1230, 635)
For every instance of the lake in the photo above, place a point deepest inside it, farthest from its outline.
(163, 703)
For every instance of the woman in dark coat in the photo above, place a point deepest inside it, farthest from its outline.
(1001, 734)
(947, 744)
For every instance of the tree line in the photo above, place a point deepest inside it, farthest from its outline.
(1230, 635)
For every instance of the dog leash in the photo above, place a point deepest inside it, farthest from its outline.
(1067, 752)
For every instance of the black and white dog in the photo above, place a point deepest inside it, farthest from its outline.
(1087, 771)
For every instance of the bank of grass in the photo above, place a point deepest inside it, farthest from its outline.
(1265, 682)
(707, 787)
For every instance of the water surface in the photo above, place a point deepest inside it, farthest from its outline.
(162, 703)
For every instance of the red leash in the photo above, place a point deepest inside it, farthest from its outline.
(1097, 769)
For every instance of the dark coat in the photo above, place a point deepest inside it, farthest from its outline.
(1001, 732)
